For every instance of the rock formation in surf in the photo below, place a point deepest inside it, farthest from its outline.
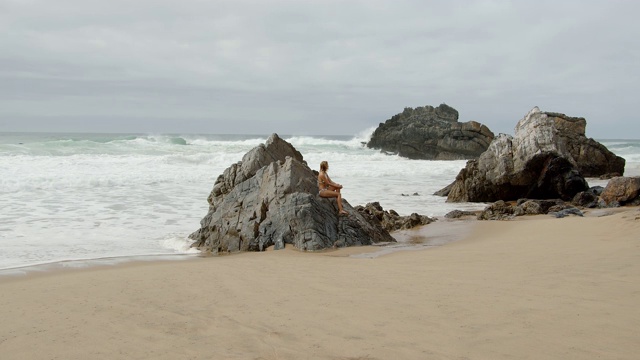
(271, 198)
(431, 134)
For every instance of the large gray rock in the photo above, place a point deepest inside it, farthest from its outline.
(432, 134)
(592, 158)
(271, 198)
(535, 163)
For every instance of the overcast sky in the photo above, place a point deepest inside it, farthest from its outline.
(313, 67)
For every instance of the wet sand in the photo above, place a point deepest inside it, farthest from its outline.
(534, 288)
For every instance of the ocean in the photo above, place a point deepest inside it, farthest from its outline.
(69, 199)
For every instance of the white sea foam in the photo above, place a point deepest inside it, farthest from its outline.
(102, 196)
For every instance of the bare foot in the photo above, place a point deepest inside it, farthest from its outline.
(342, 212)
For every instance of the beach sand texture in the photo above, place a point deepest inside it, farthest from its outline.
(533, 288)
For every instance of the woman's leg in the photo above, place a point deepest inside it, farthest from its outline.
(328, 193)
(339, 200)
(335, 194)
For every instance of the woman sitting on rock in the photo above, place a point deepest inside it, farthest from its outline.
(329, 189)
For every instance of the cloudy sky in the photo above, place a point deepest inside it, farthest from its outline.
(313, 67)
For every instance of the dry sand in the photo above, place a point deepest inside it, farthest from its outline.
(534, 288)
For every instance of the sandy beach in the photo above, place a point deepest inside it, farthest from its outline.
(532, 288)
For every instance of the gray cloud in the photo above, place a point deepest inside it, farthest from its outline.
(312, 67)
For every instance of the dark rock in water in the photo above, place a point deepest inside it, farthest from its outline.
(444, 191)
(414, 194)
(621, 191)
(456, 214)
(432, 134)
(271, 198)
(535, 163)
(390, 220)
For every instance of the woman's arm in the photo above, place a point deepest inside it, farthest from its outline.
(331, 183)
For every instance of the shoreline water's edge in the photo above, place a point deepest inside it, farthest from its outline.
(439, 233)
(85, 197)
(90, 263)
(420, 238)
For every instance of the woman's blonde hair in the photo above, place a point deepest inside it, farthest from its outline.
(324, 166)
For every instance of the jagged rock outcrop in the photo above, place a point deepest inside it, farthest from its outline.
(535, 163)
(270, 198)
(592, 158)
(431, 134)
(390, 220)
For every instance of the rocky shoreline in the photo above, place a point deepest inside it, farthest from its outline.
(270, 199)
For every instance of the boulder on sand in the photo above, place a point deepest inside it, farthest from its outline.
(535, 163)
(390, 220)
(621, 191)
(271, 198)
